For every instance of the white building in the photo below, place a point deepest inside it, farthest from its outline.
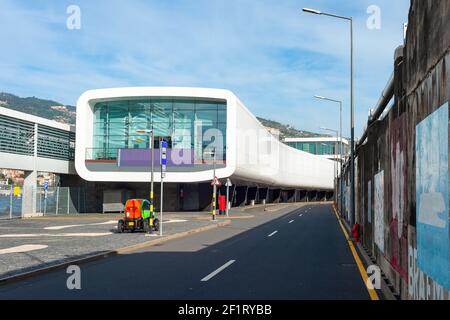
(324, 147)
(111, 147)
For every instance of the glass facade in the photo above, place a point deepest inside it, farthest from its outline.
(318, 148)
(18, 137)
(183, 123)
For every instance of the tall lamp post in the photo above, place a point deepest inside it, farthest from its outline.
(336, 132)
(151, 136)
(214, 184)
(352, 113)
(341, 148)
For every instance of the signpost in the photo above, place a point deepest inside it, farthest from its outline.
(215, 183)
(45, 195)
(228, 185)
(163, 147)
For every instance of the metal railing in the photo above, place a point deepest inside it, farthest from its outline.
(16, 202)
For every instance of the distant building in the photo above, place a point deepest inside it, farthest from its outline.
(326, 147)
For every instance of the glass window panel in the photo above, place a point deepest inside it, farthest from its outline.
(118, 111)
(140, 112)
(184, 105)
(138, 141)
(118, 128)
(100, 112)
(162, 117)
(183, 116)
(184, 125)
(204, 105)
(206, 117)
(222, 116)
(138, 126)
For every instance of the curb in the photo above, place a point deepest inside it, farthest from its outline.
(385, 290)
(227, 218)
(107, 254)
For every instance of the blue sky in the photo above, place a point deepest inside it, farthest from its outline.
(269, 53)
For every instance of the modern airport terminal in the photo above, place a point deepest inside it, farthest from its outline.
(210, 136)
(209, 132)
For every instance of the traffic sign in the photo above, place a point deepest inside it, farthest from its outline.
(216, 182)
(45, 189)
(163, 158)
(229, 183)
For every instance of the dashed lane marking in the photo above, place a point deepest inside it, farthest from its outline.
(214, 273)
(272, 234)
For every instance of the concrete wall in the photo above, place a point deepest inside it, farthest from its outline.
(402, 195)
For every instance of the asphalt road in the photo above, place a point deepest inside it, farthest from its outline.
(299, 255)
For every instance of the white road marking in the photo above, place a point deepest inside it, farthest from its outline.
(213, 274)
(152, 235)
(174, 221)
(291, 221)
(56, 228)
(80, 225)
(37, 235)
(272, 234)
(24, 248)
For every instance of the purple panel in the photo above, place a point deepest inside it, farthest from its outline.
(141, 157)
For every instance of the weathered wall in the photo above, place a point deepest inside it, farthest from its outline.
(402, 169)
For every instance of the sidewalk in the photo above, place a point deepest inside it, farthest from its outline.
(31, 244)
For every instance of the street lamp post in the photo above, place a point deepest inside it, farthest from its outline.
(214, 184)
(341, 149)
(352, 109)
(151, 133)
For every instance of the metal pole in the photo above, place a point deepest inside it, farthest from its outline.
(162, 192)
(228, 197)
(57, 199)
(341, 160)
(151, 181)
(11, 194)
(352, 156)
(162, 199)
(352, 94)
(68, 200)
(214, 203)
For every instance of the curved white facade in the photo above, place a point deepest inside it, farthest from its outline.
(253, 155)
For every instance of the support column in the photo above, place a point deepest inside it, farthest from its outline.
(251, 195)
(29, 198)
(263, 195)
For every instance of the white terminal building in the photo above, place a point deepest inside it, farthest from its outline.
(206, 130)
(324, 147)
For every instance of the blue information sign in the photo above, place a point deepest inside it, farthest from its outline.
(163, 157)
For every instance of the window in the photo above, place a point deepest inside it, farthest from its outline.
(180, 121)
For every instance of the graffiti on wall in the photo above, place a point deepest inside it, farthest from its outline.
(420, 286)
(432, 194)
(379, 210)
(398, 178)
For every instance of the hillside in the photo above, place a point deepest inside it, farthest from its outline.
(39, 107)
(66, 114)
(286, 131)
